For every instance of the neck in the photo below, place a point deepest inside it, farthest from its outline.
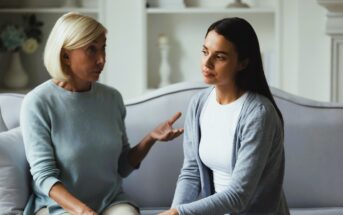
(228, 94)
(74, 86)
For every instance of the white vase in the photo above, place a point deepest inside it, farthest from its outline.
(15, 76)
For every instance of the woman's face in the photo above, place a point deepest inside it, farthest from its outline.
(219, 62)
(86, 63)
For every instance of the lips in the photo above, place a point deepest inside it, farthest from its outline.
(98, 71)
(208, 74)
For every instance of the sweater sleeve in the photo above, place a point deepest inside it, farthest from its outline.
(188, 184)
(124, 166)
(256, 140)
(35, 124)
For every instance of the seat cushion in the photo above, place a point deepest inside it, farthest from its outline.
(317, 211)
(14, 173)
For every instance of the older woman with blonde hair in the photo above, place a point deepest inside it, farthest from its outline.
(74, 131)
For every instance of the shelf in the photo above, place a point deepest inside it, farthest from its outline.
(21, 91)
(210, 10)
(48, 10)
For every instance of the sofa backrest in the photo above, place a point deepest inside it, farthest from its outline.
(314, 148)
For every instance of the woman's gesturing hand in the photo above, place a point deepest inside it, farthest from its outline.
(165, 131)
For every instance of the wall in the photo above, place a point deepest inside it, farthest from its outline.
(125, 44)
(306, 50)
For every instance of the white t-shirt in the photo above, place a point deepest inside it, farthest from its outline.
(218, 125)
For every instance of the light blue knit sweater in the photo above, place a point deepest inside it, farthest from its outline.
(78, 139)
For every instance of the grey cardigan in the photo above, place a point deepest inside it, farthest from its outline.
(257, 162)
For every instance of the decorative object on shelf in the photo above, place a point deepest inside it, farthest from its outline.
(70, 3)
(13, 39)
(15, 76)
(206, 3)
(164, 69)
(166, 3)
(238, 4)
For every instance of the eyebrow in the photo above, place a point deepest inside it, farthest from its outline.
(96, 41)
(217, 52)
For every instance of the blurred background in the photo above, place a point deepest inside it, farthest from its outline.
(154, 43)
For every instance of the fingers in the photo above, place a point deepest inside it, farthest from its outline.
(174, 118)
(173, 134)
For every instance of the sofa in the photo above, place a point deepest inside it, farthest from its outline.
(313, 181)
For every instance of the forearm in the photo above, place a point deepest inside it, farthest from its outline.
(66, 200)
(138, 153)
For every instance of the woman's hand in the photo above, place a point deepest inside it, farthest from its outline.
(165, 131)
(68, 202)
(172, 211)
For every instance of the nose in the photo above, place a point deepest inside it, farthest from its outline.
(101, 58)
(207, 62)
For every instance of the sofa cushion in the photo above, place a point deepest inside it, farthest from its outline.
(14, 173)
(2, 123)
(317, 211)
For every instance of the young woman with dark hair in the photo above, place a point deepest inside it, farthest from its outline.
(233, 142)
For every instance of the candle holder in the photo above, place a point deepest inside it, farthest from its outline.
(164, 69)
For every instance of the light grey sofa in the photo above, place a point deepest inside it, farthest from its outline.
(313, 147)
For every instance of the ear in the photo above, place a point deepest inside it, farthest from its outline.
(243, 64)
(65, 57)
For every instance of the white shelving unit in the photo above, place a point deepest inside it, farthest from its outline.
(186, 28)
(132, 41)
(47, 11)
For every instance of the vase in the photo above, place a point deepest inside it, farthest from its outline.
(15, 76)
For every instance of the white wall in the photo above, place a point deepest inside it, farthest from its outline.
(306, 50)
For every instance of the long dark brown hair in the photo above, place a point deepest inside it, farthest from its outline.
(242, 35)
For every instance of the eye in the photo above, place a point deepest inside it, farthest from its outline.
(204, 52)
(92, 49)
(220, 57)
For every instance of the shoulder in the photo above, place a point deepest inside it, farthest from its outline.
(259, 108)
(258, 103)
(201, 96)
(110, 96)
(108, 90)
(39, 94)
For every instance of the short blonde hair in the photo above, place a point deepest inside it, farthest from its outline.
(71, 31)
